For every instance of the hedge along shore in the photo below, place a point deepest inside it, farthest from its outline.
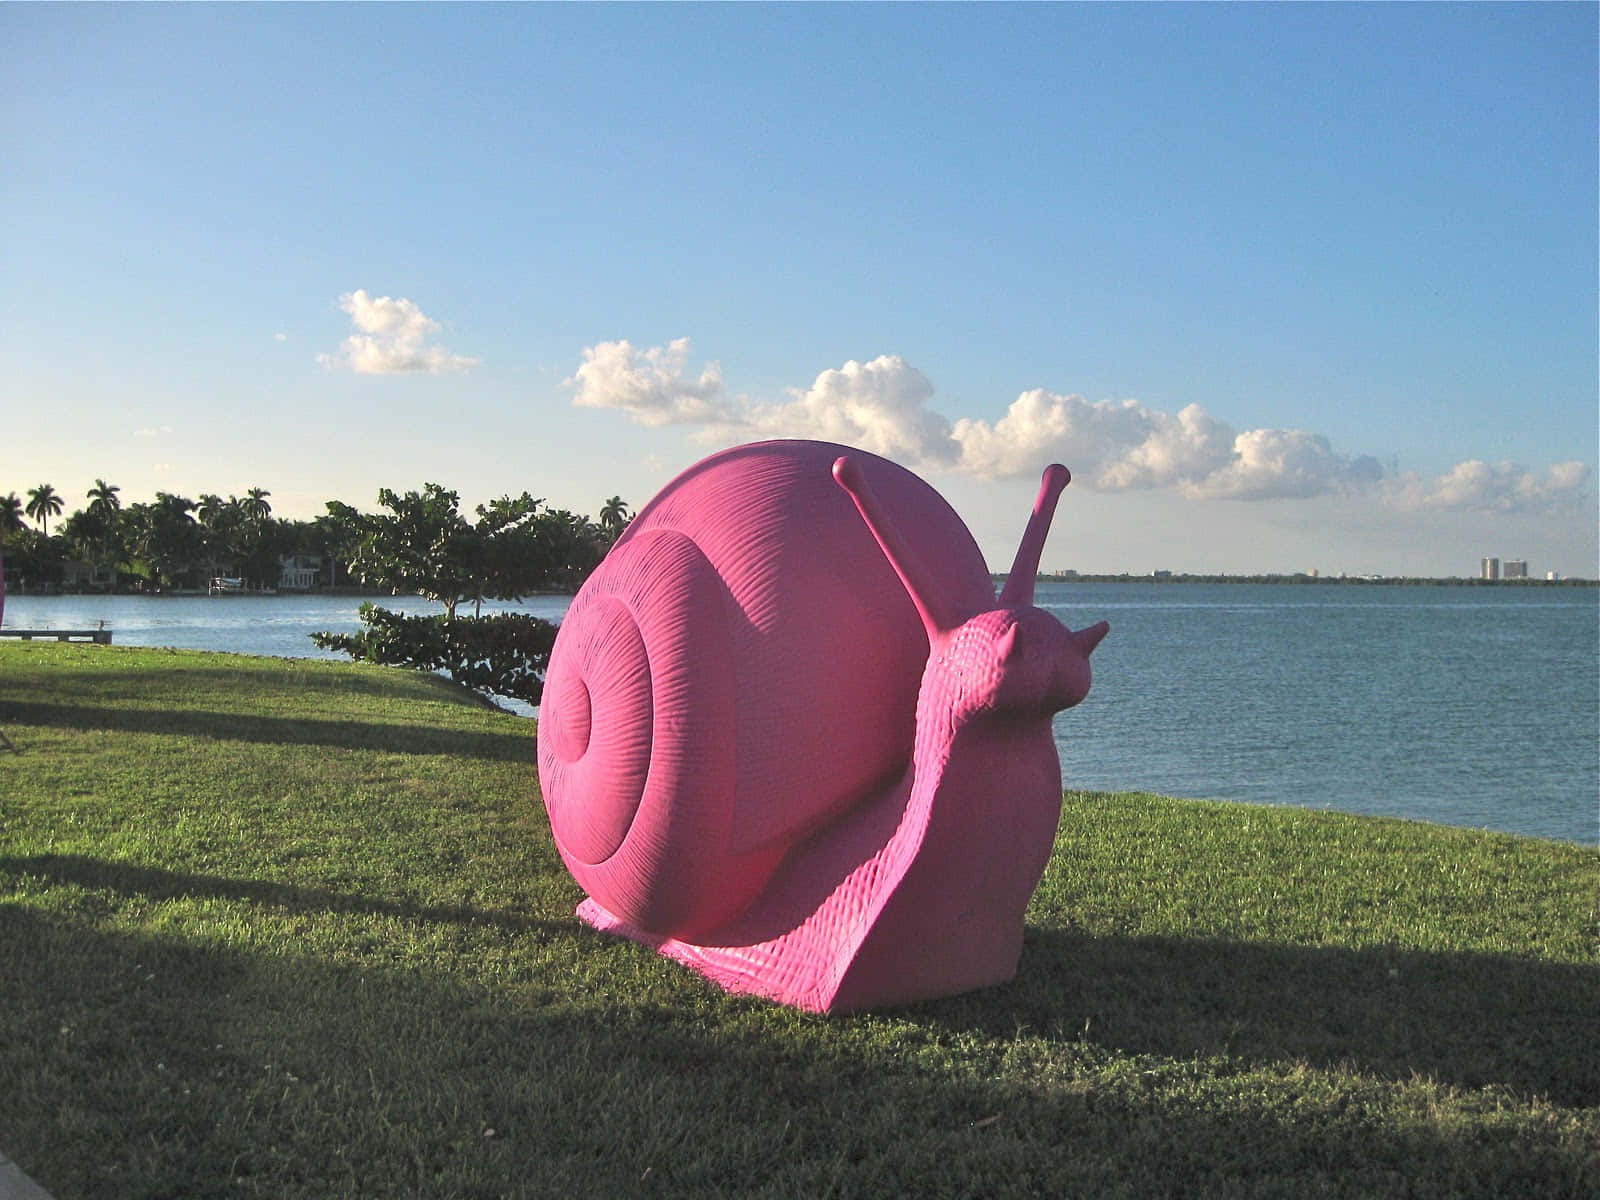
(289, 928)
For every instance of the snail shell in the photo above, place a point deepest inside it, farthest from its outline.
(742, 669)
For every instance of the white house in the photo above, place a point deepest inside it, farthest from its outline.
(298, 572)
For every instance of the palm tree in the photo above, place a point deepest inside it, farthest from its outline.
(103, 500)
(614, 517)
(103, 533)
(167, 538)
(256, 508)
(211, 508)
(221, 520)
(43, 503)
(10, 513)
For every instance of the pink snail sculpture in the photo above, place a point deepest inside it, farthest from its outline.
(789, 740)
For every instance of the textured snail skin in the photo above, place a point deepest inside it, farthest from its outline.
(789, 739)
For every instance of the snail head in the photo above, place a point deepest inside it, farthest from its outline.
(1019, 661)
(1013, 658)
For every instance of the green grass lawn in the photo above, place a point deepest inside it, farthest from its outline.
(282, 928)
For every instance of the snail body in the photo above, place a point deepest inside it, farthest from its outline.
(793, 750)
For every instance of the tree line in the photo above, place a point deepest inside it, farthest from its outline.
(413, 543)
(175, 543)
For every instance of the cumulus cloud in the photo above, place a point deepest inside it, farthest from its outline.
(1113, 444)
(1501, 487)
(880, 406)
(652, 386)
(1122, 445)
(885, 406)
(392, 338)
(1161, 450)
(1286, 464)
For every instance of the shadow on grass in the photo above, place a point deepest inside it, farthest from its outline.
(1467, 1020)
(225, 726)
(142, 1066)
(206, 670)
(154, 883)
(1470, 1020)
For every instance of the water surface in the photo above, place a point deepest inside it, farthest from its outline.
(1466, 706)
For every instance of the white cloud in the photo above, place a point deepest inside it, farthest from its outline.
(392, 339)
(280, 337)
(1269, 464)
(651, 385)
(1184, 449)
(1502, 487)
(880, 406)
(1124, 445)
(1111, 445)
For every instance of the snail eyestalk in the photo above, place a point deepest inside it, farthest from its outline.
(1019, 584)
(930, 605)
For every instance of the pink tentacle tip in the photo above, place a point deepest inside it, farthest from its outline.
(1056, 476)
(847, 473)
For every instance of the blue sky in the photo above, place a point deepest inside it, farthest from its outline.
(1287, 287)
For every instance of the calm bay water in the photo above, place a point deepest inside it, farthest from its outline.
(1465, 706)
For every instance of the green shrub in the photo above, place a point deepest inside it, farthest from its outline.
(504, 654)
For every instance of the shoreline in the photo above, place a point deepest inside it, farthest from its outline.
(1160, 579)
(1165, 577)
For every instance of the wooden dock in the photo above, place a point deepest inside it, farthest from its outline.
(101, 636)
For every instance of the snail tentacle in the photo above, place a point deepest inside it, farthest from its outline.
(1019, 584)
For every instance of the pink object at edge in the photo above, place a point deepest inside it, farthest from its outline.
(790, 740)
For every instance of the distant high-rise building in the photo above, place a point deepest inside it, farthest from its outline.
(1490, 569)
(1516, 568)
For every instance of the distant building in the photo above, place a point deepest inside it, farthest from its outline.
(1490, 569)
(1516, 568)
(298, 572)
(80, 576)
